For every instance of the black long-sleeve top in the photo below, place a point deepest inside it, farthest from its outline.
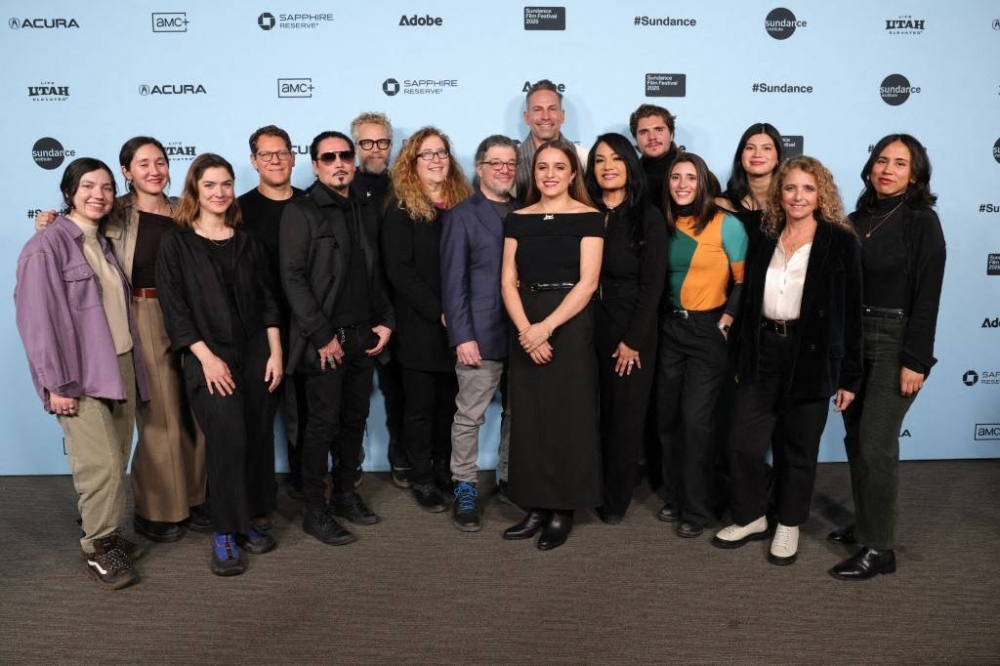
(903, 257)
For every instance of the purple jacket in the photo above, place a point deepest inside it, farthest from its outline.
(60, 316)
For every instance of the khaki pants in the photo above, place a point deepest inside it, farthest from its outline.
(98, 442)
(476, 388)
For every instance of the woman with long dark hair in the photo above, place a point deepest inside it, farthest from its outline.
(903, 255)
(215, 290)
(799, 344)
(551, 268)
(704, 278)
(426, 182)
(633, 270)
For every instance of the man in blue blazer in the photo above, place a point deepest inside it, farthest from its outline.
(471, 254)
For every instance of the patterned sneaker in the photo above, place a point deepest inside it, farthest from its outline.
(256, 542)
(227, 560)
(110, 566)
(465, 512)
(133, 550)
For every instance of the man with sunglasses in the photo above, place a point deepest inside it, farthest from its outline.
(341, 321)
(471, 255)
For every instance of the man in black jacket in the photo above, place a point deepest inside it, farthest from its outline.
(652, 127)
(341, 320)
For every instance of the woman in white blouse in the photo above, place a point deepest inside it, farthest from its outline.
(799, 344)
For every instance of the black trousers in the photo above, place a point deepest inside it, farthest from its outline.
(692, 361)
(390, 382)
(338, 402)
(239, 434)
(766, 417)
(428, 412)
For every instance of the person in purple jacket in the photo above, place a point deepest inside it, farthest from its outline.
(75, 320)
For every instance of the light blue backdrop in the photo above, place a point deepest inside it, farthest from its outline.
(76, 73)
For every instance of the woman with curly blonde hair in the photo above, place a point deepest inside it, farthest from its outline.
(426, 182)
(799, 344)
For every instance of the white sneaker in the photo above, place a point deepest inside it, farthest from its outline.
(785, 546)
(735, 536)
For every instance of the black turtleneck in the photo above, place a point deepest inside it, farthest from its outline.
(656, 175)
(903, 256)
(374, 187)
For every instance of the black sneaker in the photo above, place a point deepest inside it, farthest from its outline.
(256, 542)
(429, 497)
(154, 530)
(401, 477)
(320, 523)
(110, 566)
(199, 519)
(227, 560)
(352, 507)
(133, 550)
(465, 512)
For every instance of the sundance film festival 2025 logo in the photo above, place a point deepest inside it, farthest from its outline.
(993, 264)
(147, 89)
(295, 88)
(42, 23)
(781, 23)
(904, 25)
(48, 91)
(544, 18)
(304, 21)
(792, 145)
(49, 153)
(666, 85)
(896, 89)
(987, 431)
(170, 21)
(393, 87)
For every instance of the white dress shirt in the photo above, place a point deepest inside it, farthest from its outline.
(786, 275)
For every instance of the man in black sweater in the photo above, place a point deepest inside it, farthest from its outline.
(652, 128)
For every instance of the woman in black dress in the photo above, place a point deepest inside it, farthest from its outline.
(633, 271)
(551, 269)
(903, 255)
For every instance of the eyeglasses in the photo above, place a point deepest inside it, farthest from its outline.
(368, 144)
(271, 155)
(498, 165)
(428, 155)
(331, 156)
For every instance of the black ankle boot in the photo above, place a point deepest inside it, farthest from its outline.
(529, 525)
(556, 531)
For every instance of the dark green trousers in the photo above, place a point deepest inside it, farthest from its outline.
(873, 422)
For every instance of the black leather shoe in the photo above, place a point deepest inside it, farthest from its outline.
(320, 523)
(528, 527)
(609, 517)
(428, 497)
(843, 535)
(556, 531)
(352, 507)
(865, 564)
(690, 530)
(670, 513)
(199, 519)
(157, 531)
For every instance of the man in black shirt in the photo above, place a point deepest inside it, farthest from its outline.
(652, 128)
(341, 321)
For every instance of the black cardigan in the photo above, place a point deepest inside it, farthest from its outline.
(194, 296)
(828, 345)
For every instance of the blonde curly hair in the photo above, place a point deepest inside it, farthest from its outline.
(406, 184)
(830, 207)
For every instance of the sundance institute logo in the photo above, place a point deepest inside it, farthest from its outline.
(781, 23)
(896, 89)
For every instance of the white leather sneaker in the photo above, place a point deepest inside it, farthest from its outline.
(735, 536)
(785, 546)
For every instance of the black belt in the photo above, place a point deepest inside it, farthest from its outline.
(883, 313)
(780, 327)
(678, 313)
(536, 287)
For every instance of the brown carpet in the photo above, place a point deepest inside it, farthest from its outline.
(415, 590)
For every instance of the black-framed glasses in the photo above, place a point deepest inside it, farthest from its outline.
(498, 165)
(270, 155)
(428, 155)
(330, 156)
(368, 144)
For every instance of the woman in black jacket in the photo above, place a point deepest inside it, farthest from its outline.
(903, 255)
(426, 181)
(214, 288)
(799, 344)
(633, 271)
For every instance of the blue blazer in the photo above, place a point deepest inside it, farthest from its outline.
(471, 255)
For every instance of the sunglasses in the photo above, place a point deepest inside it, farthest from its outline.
(331, 156)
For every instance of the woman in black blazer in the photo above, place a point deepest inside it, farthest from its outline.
(213, 284)
(799, 344)
(425, 182)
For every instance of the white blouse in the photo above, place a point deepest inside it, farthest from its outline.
(783, 286)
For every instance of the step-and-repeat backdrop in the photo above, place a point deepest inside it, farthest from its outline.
(79, 79)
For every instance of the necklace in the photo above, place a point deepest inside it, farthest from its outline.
(793, 247)
(878, 222)
(223, 242)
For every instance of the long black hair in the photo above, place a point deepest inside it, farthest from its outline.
(918, 193)
(704, 200)
(633, 206)
(738, 185)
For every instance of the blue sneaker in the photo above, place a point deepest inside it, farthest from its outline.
(227, 560)
(465, 512)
